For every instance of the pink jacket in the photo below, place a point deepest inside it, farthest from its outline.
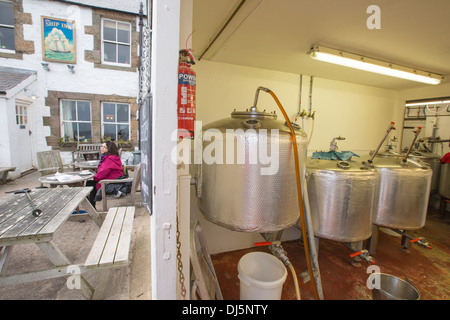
(109, 168)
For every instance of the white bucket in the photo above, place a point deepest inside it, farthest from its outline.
(261, 276)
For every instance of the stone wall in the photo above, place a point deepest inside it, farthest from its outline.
(54, 120)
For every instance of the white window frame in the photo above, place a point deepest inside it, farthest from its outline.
(10, 27)
(21, 114)
(116, 43)
(77, 121)
(115, 117)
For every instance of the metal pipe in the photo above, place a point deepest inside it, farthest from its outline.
(310, 94)
(360, 253)
(257, 96)
(420, 241)
(390, 127)
(417, 132)
(300, 94)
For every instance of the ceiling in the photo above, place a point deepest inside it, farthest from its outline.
(276, 35)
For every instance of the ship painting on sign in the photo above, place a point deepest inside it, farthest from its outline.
(58, 40)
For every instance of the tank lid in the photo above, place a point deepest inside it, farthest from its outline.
(253, 112)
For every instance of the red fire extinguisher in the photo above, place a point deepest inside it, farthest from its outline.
(186, 95)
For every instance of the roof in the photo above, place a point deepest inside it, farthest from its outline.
(131, 6)
(11, 77)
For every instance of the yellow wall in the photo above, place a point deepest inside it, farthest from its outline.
(359, 113)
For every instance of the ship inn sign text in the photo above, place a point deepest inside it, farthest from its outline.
(58, 40)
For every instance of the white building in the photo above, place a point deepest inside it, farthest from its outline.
(69, 72)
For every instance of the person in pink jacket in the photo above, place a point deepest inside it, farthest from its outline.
(109, 167)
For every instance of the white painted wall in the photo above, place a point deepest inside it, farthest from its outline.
(5, 154)
(359, 113)
(86, 78)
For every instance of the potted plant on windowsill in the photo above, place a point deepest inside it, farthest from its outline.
(85, 141)
(67, 142)
(125, 145)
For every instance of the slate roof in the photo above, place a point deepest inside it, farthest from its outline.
(11, 77)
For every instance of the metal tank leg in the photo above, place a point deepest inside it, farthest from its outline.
(372, 241)
(405, 240)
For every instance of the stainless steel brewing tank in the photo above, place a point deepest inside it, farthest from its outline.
(434, 161)
(444, 183)
(239, 196)
(403, 192)
(341, 199)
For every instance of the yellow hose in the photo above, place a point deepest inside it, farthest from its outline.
(294, 275)
(299, 191)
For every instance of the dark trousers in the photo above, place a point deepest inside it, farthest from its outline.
(91, 197)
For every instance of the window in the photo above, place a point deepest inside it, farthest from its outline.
(21, 115)
(6, 27)
(116, 40)
(76, 122)
(116, 121)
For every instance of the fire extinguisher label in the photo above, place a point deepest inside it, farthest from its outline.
(186, 101)
(186, 79)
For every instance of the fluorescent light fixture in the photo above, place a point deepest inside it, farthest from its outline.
(359, 62)
(424, 103)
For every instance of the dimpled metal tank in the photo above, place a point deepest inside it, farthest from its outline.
(247, 196)
(444, 182)
(403, 193)
(433, 160)
(341, 198)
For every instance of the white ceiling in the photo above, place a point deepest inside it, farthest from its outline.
(276, 34)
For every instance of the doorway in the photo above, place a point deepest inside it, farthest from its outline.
(22, 150)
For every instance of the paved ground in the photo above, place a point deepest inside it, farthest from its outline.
(75, 239)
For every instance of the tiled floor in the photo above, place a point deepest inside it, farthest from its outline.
(429, 270)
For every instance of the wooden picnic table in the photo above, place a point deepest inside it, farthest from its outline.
(18, 226)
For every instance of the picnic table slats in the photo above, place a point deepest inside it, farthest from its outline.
(16, 209)
(56, 205)
(50, 204)
(68, 204)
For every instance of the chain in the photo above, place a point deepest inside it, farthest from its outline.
(180, 263)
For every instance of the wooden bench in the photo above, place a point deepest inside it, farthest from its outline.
(111, 247)
(4, 173)
(83, 149)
